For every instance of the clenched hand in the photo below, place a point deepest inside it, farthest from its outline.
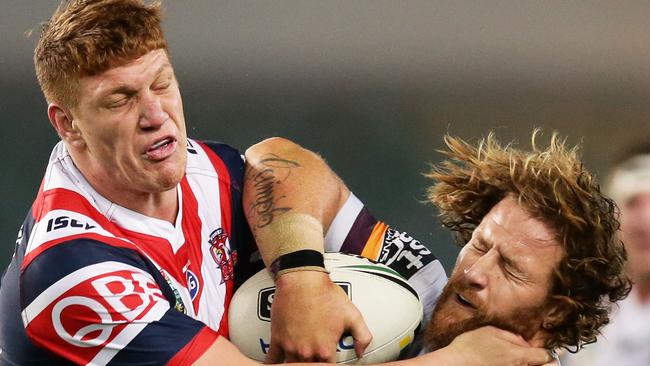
(308, 317)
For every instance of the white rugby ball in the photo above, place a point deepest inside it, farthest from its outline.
(389, 305)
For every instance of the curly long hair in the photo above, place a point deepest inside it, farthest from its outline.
(553, 185)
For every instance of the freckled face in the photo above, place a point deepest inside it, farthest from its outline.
(502, 276)
(132, 127)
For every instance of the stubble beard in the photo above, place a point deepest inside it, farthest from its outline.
(445, 324)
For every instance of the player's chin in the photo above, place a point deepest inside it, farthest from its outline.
(448, 314)
(166, 179)
(167, 174)
(170, 181)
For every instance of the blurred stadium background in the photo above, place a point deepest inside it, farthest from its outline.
(372, 85)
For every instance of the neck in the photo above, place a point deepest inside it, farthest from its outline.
(161, 205)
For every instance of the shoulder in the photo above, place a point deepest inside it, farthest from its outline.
(222, 160)
(62, 216)
(78, 265)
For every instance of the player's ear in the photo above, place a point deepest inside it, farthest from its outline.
(553, 317)
(65, 125)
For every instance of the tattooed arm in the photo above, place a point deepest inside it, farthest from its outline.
(309, 312)
(283, 177)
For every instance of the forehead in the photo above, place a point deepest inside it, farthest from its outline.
(131, 74)
(522, 238)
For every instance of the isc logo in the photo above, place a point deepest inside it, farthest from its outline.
(265, 299)
(64, 221)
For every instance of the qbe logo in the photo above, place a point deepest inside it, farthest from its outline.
(265, 299)
(84, 321)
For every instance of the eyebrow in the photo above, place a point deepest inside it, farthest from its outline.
(124, 89)
(508, 261)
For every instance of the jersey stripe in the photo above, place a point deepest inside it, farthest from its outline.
(204, 182)
(116, 242)
(65, 199)
(192, 252)
(342, 224)
(129, 333)
(224, 186)
(171, 335)
(375, 241)
(157, 249)
(49, 268)
(195, 348)
(226, 218)
(359, 233)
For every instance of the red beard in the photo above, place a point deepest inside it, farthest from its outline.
(450, 318)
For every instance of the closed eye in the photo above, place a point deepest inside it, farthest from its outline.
(477, 246)
(163, 81)
(513, 272)
(118, 97)
(162, 85)
(117, 103)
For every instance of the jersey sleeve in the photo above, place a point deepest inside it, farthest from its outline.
(355, 230)
(92, 303)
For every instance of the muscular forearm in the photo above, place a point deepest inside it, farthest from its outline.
(222, 352)
(283, 178)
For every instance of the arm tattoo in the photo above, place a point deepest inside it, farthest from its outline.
(265, 175)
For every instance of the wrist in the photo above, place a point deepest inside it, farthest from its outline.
(302, 280)
(288, 233)
(297, 261)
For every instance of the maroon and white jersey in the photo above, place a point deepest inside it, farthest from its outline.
(101, 284)
(355, 230)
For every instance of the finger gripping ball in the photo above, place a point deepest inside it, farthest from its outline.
(389, 305)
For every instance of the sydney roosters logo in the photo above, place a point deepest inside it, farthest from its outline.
(221, 253)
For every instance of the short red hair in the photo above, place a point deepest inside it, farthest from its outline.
(88, 37)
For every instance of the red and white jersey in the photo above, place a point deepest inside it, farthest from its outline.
(102, 284)
(95, 283)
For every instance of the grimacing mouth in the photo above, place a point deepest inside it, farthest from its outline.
(162, 142)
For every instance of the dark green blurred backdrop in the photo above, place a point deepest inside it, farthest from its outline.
(371, 85)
